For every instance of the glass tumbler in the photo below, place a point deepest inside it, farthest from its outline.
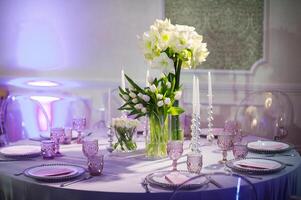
(194, 162)
(90, 147)
(95, 165)
(240, 150)
(48, 149)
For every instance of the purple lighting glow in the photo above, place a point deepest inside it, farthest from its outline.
(43, 83)
(39, 46)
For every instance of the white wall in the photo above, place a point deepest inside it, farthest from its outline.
(98, 37)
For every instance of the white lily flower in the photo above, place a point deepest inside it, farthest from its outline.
(133, 95)
(178, 95)
(153, 88)
(159, 96)
(163, 62)
(135, 100)
(160, 103)
(146, 98)
(167, 101)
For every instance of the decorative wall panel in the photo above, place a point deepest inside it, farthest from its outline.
(233, 29)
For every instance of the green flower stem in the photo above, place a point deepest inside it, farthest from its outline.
(125, 139)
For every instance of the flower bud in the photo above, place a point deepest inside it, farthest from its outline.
(146, 98)
(160, 103)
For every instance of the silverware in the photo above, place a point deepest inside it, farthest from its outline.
(76, 181)
(144, 184)
(214, 182)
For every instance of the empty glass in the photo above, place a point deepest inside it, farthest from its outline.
(174, 151)
(48, 149)
(225, 142)
(56, 135)
(79, 124)
(95, 165)
(67, 135)
(240, 150)
(194, 162)
(90, 147)
(233, 127)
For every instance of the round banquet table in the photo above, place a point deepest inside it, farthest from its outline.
(124, 172)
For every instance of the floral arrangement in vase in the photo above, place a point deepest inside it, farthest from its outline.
(170, 48)
(124, 131)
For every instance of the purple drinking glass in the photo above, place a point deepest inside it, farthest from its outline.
(225, 143)
(174, 151)
(56, 135)
(240, 150)
(95, 165)
(194, 162)
(90, 147)
(232, 127)
(48, 149)
(79, 124)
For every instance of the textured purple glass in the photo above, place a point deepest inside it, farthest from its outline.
(225, 142)
(90, 147)
(95, 165)
(240, 150)
(56, 135)
(79, 124)
(194, 162)
(174, 151)
(48, 149)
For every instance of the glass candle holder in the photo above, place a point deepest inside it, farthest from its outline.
(90, 147)
(240, 150)
(67, 135)
(95, 165)
(48, 149)
(57, 135)
(194, 163)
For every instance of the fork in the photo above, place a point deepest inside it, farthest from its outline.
(76, 181)
(144, 184)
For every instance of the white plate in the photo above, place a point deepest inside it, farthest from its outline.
(21, 151)
(268, 146)
(54, 172)
(164, 179)
(256, 165)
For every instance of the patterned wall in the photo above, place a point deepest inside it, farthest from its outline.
(233, 29)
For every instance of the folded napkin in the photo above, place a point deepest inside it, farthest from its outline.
(176, 178)
(53, 172)
(257, 165)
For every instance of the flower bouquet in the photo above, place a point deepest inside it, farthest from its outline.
(124, 131)
(168, 47)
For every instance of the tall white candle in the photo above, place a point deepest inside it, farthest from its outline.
(193, 95)
(209, 89)
(197, 101)
(109, 115)
(146, 78)
(122, 80)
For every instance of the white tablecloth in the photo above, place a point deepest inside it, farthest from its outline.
(123, 173)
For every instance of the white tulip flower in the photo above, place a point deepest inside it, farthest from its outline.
(135, 100)
(138, 106)
(178, 95)
(140, 95)
(133, 95)
(159, 96)
(125, 97)
(167, 101)
(153, 88)
(160, 103)
(143, 110)
(146, 98)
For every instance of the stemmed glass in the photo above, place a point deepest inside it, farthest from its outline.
(174, 151)
(56, 134)
(225, 142)
(79, 124)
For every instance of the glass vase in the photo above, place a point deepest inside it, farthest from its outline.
(125, 141)
(157, 139)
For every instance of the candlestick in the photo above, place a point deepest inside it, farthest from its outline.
(197, 102)
(122, 80)
(193, 95)
(109, 117)
(209, 89)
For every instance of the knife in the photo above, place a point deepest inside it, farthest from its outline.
(214, 182)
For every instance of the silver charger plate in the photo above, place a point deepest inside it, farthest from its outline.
(21, 151)
(157, 179)
(255, 165)
(268, 147)
(35, 172)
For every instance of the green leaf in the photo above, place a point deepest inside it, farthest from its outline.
(175, 111)
(133, 84)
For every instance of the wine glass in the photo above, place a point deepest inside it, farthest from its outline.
(174, 151)
(225, 142)
(79, 124)
(90, 147)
